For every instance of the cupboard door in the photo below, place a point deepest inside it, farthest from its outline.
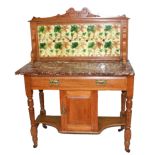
(79, 110)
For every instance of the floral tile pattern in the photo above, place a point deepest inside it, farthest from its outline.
(79, 40)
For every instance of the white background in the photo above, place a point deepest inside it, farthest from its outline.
(15, 47)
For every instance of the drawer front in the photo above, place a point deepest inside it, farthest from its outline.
(79, 83)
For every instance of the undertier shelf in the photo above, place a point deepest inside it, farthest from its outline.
(103, 123)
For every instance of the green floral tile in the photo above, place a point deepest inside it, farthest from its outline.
(79, 40)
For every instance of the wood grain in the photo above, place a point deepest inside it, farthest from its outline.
(127, 134)
(103, 123)
(79, 83)
(29, 93)
(80, 110)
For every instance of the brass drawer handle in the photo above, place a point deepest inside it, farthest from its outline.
(101, 82)
(54, 82)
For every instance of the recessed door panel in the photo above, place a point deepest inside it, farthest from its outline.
(79, 110)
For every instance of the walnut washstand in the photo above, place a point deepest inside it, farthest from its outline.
(79, 53)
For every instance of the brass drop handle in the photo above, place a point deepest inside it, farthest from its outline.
(101, 82)
(54, 82)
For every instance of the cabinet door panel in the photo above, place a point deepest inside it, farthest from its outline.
(79, 110)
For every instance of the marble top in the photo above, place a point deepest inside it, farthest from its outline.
(77, 68)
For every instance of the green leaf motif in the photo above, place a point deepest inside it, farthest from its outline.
(117, 33)
(117, 50)
(58, 45)
(74, 44)
(42, 46)
(74, 28)
(72, 34)
(108, 28)
(91, 45)
(41, 29)
(91, 28)
(79, 40)
(57, 28)
(108, 44)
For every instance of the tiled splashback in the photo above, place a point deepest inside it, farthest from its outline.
(79, 40)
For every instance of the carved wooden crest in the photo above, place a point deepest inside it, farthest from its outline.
(78, 14)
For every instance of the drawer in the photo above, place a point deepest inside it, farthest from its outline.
(79, 83)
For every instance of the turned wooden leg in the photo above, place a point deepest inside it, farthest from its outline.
(42, 107)
(122, 113)
(128, 123)
(32, 119)
(127, 133)
(29, 94)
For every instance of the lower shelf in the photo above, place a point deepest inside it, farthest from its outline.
(103, 123)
